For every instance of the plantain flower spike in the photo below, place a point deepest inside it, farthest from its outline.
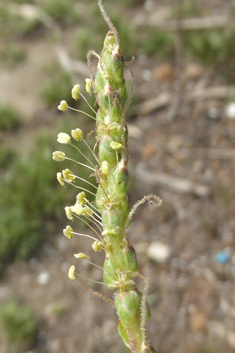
(60, 179)
(58, 156)
(80, 256)
(71, 273)
(75, 92)
(63, 106)
(77, 134)
(88, 85)
(63, 138)
(68, 175)
(68, 232)
(112, 213)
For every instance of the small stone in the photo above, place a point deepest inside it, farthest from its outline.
(164, 72)
(231, 339)
(193, 71)
(214, 113)
(198, 321)
(43, 278)
(230, 110)
(159, 252)
(222, 257)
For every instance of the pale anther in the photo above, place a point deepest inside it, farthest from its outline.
(68, 232)
(88, 85)
(63, 105)
(81, 256)
(81, 198)
(68, 175)
(68, 213)
(97, 245)
(58, 156)
(75, 92)
(71, 273)
(77, 134)
(64, 138)
(60, 178)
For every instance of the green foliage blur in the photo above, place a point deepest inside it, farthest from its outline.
(32, 201)
(10, 118)
(19, 325)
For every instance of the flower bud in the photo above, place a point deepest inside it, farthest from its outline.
(77, 134)
(63, 106)
(71, 273)
(80, 256)
(88, 85)
(128, 305)
(75, 92)
(68, 175)
(63, 138)
(58, 156)
(105, 168)
(60, 179)
(68, 213)
(115, 145)
(68, 232)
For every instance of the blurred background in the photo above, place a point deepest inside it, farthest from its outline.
(181, 141)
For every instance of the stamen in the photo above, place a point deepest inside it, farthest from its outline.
(81, 111)
(95, 222)
(92, 280)
(83, 155)
(84, 165)
(85, 235)
(79, 187)
(83, 220)
(94, 207)
(93, 154)
(85, 181)
(84, 258)
(87, 103)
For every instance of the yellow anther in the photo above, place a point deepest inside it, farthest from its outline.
(80, 256)
(81, 198)
(115, 145)
(75, 92)
(87, 211)
(105, 168)
(64, 138)
(77, 209)
(109, 231)
(68, 232)
(68, 175)
(71, 273)
(58, 156)
(68, 213)
(97, 245)
(88, 85)
(60, 179)
(77, 134)
(63, 106)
